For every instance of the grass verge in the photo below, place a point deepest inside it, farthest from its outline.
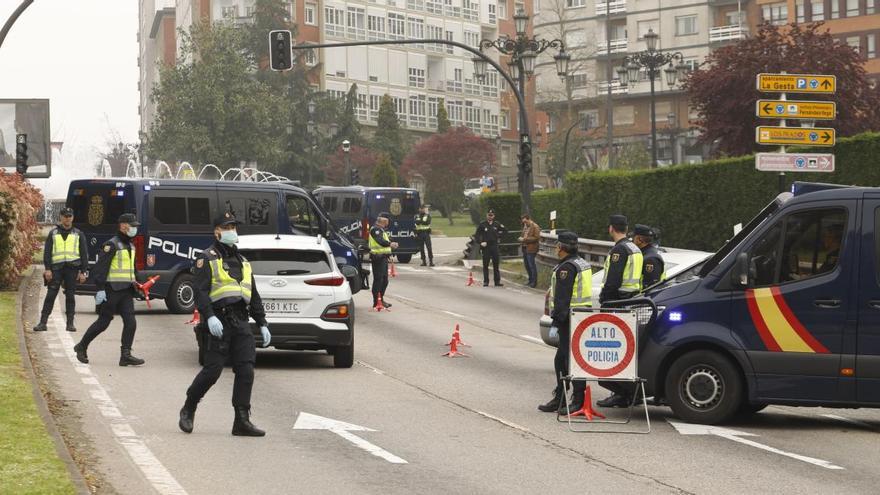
(461, 227)
(28, 461)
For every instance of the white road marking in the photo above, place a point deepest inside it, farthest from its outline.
(503, 421)
(402, 298)
(851, 421)
(306, 421)
(736, 436)
(153, 470)
(533, 339)
(371, 367)
(450, 313)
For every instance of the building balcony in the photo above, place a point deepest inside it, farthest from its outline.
(616, 88)
(617, 46)
(611, 7)
(437, 85)
(727, 33)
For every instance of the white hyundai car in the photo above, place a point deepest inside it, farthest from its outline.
(305, 293)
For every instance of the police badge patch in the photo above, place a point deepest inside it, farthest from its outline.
(563, 274)
(615, 257)
(200, 262)
(107, 248)
(649, 268)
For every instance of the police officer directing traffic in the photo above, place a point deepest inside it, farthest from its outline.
(653, 267)
(622, 280)
(488, 235)
(115, 277)
(380, 249)
(65, 258)
(226, 295)
(423, 233)
(569, 288)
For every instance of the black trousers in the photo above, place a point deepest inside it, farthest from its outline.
(119, 302)
(490, 252)
(560, 361)
(65, 274)
(380, 276)
(238, 342)
(425, 241)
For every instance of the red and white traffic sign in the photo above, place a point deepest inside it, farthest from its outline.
(794, 162)
(603, 346)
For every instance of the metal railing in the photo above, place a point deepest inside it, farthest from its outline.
(612, 7)
(728, 33)
(617, 46)
(592, 251)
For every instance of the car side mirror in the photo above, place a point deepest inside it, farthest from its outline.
(739, 275)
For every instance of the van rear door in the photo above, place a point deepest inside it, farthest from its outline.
(97, 205)
(180, 226)
(867, 369)
(402, 206)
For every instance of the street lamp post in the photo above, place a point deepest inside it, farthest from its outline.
(652, 60)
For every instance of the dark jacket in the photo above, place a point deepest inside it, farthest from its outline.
(83, 262)
(614, 277)
(105, 256)
(653, 266)
(566, 272)
(490, 233)
(229, 256)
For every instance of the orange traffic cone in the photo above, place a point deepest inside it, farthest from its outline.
(379, 305)
(456, 336)
(587, 410)
(470, 280)
(453, 350)
(196, 319)
(392, 272)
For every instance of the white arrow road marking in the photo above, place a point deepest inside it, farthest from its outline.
(306, 421)
(736, 436)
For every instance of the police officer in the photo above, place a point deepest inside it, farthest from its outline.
(569, 288)
(66, 259)
(227, 297)
(653, 268)
(423, 232)
(380, 249)
(489, 234)
(622, 280)
(115, 278)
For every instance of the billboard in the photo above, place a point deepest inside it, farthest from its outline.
(29, 117)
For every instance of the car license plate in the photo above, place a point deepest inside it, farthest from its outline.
(291, 307)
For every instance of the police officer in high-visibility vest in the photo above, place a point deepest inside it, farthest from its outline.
(380, 249)
(622, 280)
(653, 268)
(227, 297)
(423, 233)
(569, 288)
(115, 276)
(66, 259)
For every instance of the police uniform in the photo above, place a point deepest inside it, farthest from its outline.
(225, 289)
(653, 267)
(66, 257)
(115, 274)
(570, 287)
(380, 250)
(490, 233)
(423, 233)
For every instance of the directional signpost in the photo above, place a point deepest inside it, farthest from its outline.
(794, 162)
(787, 136)
(788, 109)
(797, 83)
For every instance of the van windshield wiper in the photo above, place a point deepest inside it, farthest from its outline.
(293, 272)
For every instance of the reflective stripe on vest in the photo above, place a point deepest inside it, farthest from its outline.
(122, 265)
(581, 291)
(422, 226)
(223, 286)
(64, 251)
(631, 281)
(375, 248)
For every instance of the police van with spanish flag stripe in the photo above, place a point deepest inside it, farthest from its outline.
(787, 312)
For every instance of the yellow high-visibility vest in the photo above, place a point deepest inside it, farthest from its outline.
(582, 290)
(122, 265)
(423, 226)
(376, 248)
(223, 286)
(64, 251)
(632, 272)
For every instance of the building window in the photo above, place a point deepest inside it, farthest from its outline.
(230, 12)
(575, 38)
(472, 39)
(818, 9)
(869, 4)
(418, 116)
(334, 22)
(519, 6)
(396, 26)
(835, 9)
(250, 11)
(290, 10)
(375, 102)
(415, 4)
(502, 9)
(400, 108)
(775, 13)
(570, 4)
(800, 12)
(854, 42)
(685, 25)
(416, 28)
(852, 8)
(505, 156)
(375, 27)
(872, 45)
(357, 23)
(624, 115)
(309, 14)
(589, 119)
(311, 57)
(578, 80)
(416, 77)
(642, 27)
(505, 118)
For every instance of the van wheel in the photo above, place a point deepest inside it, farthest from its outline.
(704, 387)
(404, 258)
(181, 297)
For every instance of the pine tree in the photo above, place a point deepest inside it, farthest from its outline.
(388, 138)
(384, 174)
(349, 127)
(443, 123)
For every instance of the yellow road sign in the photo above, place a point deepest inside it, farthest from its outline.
(791, 109)
(796, 83)
(785, 136)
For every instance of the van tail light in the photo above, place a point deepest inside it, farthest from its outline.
(140, 260)
(365, 231)
(327, 281)
(547, 303)
(338, 312)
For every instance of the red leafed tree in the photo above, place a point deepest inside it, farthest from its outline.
(362, 159)
(723, 89)
(445, 161)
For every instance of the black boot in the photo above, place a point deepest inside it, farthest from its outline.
(81, 355)
(615, 400)
(431, 263)
(126, 359)
(41, 326)
(242, 426)
(553, 404)
(424, 264)
(576, 404)
(187, 415)
(70, 327)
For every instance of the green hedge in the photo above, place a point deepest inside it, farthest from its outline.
(543, 202)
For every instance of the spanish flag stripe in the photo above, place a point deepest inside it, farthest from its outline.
(783, 333)
(804, 334)
(758, 320)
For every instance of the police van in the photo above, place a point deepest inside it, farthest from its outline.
(787, 312)
(176, 219)
(355, 208)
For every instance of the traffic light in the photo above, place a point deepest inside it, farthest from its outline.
(21, 156)
(279, 50)
(355, 177)
(525, 157)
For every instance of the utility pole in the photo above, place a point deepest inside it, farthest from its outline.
(12, 18)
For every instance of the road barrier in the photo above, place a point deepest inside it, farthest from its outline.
(592, 251)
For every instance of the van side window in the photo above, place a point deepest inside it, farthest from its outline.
(171, 210)
(256, 210)
(351, 205)
(329, 203)
(303, 221)
(764, 256)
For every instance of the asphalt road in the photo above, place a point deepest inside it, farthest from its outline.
(437, 425)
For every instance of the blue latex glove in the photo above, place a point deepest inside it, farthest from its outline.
(100, 297)
(267, 337)
(554, 332)
(215, 327)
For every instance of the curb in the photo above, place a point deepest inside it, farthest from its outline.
(76, 476)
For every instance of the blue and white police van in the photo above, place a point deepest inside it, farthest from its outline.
(355, 208)
(176, 219)
(787, 312)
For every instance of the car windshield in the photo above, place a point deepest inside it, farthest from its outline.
(472, 184)
(287, 261)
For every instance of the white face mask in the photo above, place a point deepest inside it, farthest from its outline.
(229, 237)
(132, 231)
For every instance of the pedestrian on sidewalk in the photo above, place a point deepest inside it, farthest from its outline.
(488, 235)
(65, 259)
(381, 248)
(531, 236)
(227, 297)
(115, 277)
(423, 233)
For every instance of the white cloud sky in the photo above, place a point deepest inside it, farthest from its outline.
(82, 56)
